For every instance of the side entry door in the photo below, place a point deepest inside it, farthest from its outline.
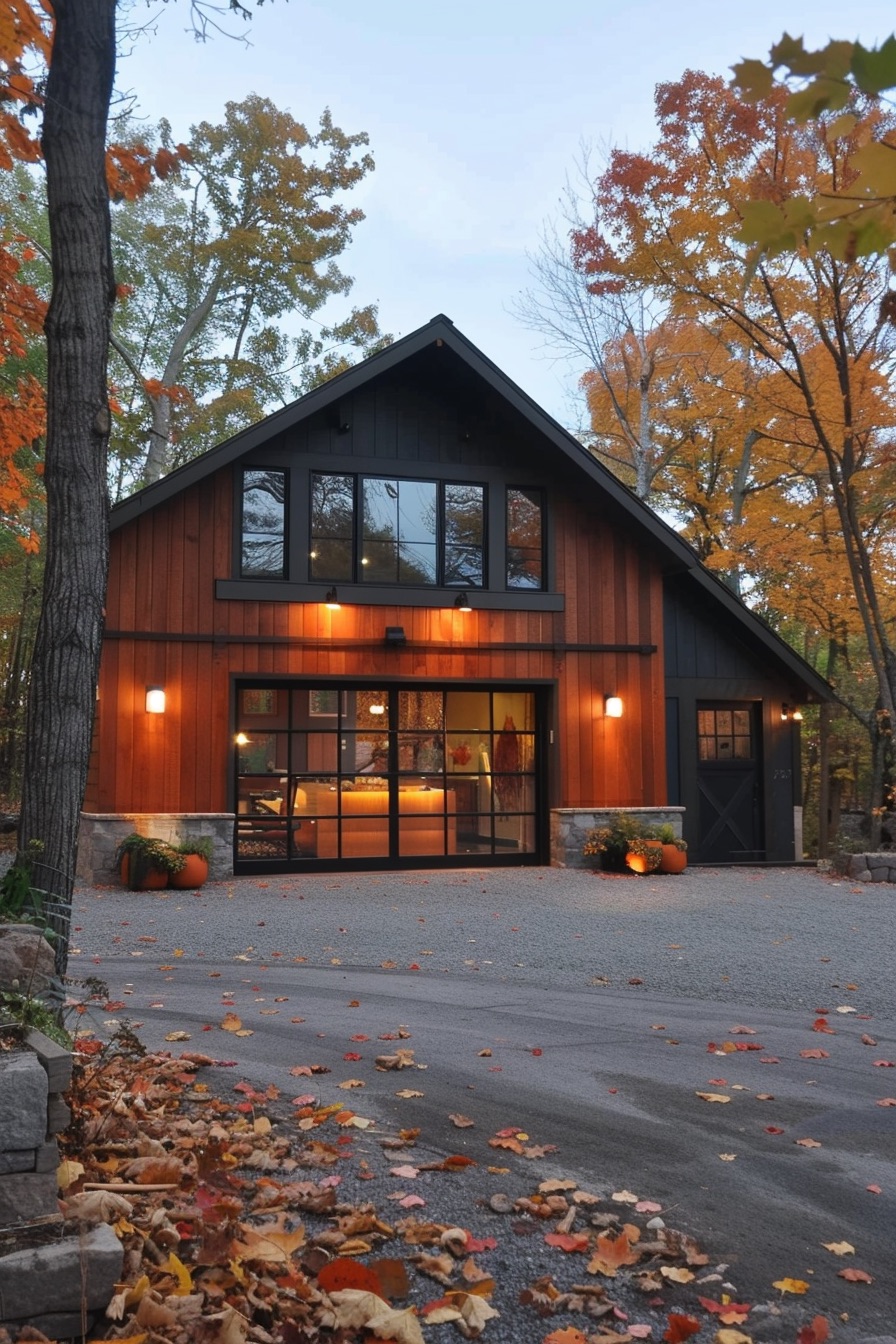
(729, 783)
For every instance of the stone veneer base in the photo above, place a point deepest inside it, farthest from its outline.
(570, 825)
(101, 833)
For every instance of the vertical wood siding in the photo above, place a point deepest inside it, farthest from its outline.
(168, 628)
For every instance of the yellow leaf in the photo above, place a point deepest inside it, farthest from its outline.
(791, 1286)
(67, 1173)
(839, 1247)
(178, 1036)
(181, 1273)
(244, 1032)
(178, 951)
(676, 1275)
(732, 1337)
(727, 1157)
(261, 1124)
(713, 1096)
(349, 1083)
(408, 1092)
(231, 1022)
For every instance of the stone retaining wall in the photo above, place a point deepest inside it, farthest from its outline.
(570, 825)
(32, 1112)
(880, 867)
(63, 1283)
(101, 833)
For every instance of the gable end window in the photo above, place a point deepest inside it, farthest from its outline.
(262, 524)
(525, 538)
(383, 530)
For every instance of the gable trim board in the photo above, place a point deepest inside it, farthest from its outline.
(198, 622)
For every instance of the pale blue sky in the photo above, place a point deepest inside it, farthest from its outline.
(476, 110)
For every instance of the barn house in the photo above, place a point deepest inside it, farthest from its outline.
(409, 621)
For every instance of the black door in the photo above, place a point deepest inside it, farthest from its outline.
(729, 783)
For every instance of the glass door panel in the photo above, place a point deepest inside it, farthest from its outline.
(357, 772)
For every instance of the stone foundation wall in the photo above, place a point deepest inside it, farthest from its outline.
(101, 833)
(570, 825)
(870, 867)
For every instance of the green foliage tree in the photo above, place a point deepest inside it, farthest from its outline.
(246, 232)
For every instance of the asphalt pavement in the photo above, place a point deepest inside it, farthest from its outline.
(591, 1010)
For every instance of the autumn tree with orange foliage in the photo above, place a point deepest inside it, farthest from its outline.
(74, 108)
(816, 410)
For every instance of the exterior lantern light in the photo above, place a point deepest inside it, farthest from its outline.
(331, 601)
(462, 602)
(242, 740)
(155, 700)
(613, 706)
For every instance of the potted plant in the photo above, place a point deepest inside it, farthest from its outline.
(196, 851)
(146, 863)
(675, 856)
(613, 841)
(645, 852)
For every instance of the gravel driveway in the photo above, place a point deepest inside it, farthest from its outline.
(773, 937)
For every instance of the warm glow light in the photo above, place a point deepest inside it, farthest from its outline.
(613, 706)
(242, 740)
(462, 602)
(155, 700)
(797, 716)
(331, 600)
(377, 709)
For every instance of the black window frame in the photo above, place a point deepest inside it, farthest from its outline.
(541, 494)
(358, 575)
(267, 574)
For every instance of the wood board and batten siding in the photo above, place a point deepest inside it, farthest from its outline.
(165, 626)
(180, 614)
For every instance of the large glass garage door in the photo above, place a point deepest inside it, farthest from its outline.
(332, 774)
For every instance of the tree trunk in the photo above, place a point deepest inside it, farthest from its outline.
(67, 648)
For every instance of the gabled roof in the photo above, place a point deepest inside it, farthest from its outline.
(678, 554)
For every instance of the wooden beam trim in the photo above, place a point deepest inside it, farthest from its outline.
(423, 646)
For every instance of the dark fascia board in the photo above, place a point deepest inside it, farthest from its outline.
(677, 553)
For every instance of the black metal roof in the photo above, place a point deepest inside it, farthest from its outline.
(677, 554)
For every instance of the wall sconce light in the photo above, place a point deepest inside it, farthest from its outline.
(377, 709)
(797, 715)
(331, 600)
(155, 700)
(792, 713)
(613, 706)
(396, 636)
(462, 602)
(241, 740)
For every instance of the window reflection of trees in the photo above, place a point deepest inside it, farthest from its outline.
(263, 513)
(410, 531)
(525, 511)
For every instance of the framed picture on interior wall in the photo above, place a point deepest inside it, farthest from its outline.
(323, 704)
(259, 702)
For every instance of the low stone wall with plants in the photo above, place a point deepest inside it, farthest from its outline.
(570, 826)
(101, 833)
